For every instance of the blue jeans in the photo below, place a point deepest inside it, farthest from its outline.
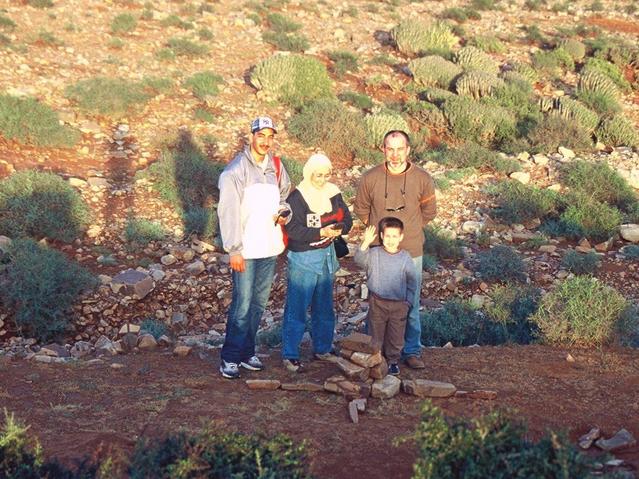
(413, 334)
(251, 290)
(309, 284)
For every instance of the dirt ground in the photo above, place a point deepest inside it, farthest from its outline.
(73, 409)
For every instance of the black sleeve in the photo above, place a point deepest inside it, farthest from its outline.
(296, 228)
(348, 220)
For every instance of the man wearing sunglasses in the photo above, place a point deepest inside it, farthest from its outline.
(401, 189)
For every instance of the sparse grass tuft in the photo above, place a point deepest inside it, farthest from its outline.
(204, 84)
(185, 47)
(286, 42)
(501, 263)
(141, 231)
(177, 22)
(580, 263)
(440, 244)
(123, 23)
(40, 3)
(358, 100)
(343, 61)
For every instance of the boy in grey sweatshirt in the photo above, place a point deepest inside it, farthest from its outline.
(391, 283)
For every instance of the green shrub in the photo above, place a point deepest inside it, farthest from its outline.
(42, 285)
(142, 231)
(574, 48)
(598, 92)
(602, 103)
(205, 34)
(440, 245)
(487, 43)
(492, 445)
(477, 84)
(457, 322)
(455, 13)
(358, 100)
(329, 125)
(611, 70)
(599, 181)
(108, 96)
(177, 22)
(31, 122)
(472, 58)
(553, 131)
(185, 47)
(7, 24)
(116, 44)
(154, 327)
(378, 124)
(40, 3)
(580, 263)
(574, 110)
(501, 263)
(286, 42)
(188, 180)
(511, 308)
(36, 204)
(203, 114)
(294, 169)
(204, 84)
(525, 70)
(413, 38)
(484, 4)
(292, 79)
(581, 311)
(20, 456)
(123, 23)
(157, 85)
(343, 61)
(165, 55)
(618, 131)
(279, 23)
(433, 70)
(518, 203)
(551, 62)
(472, 155)
(584, 216)
(630, 251)
(211, 454)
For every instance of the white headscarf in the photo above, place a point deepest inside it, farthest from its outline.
(318, 199)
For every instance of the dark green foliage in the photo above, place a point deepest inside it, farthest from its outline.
(517, 96)
(6, 23)
(487, 43)
(472, 155)
(551, 62)
(31, 122)
(518, 203)
(329, 125)
(175, 21)
(510, 310)
(553, 131)
(123, 23)
(185, 47)
(219, 455)
(494, 446)
(294, 169)
(457, 322)
(141, 231)
(39, 205)
(203, 114)
(618, 131)
(154, 327)
(484, 4)
(108, 96)
(185, 177)
(600, 182)
(441, 245)
(631, 251)
(501, 263)
(42, 284)
(580, 263)
(279, 23)
(455, 13)
(627, 327)
(359, 100)
(40, 3)
(601, 102)
(205, 34)
(584, 216)
(534, 4)
(286, 42)
(204, 84)
(343, 61)
(609, 69)
(20, 456)
(157, 85)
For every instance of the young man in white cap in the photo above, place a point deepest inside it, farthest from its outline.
(253, 189)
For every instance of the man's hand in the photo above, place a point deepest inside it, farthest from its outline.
(237, 263)
(369, 236)
(330, 232)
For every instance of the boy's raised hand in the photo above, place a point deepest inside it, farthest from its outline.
(369, 236)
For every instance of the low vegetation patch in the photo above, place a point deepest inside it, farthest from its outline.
(580, 263)
(141, 231)
(204, 84)
(441, 244)
(123, 23)
(31, 122)
(501, 263)
(518, 203)
(41, 205)
(343, 61)
(42, 285)
(183, 47)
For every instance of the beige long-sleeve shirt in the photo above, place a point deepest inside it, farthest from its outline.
(380, 191)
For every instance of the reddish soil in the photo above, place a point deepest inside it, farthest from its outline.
(614, 24)
(73, 409)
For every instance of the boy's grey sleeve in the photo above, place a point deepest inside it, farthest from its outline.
(228, 212)
(411, 281)
(362, 257)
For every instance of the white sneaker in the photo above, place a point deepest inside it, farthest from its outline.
(229, 370)
(252, 364)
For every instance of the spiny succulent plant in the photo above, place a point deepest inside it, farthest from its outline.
(514, 77)
(436, 95)
(474, 121)
(477, 84)
(596, 82)
(611, 70)
(574, 48)
(433, 70)
(525, 70)
(472, 58)
(378, 124)
(618, 131)
(412, 37)
(567, 107)
(292, 79)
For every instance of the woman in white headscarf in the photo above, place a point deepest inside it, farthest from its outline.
(319, 215)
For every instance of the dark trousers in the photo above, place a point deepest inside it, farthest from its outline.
(387, 324)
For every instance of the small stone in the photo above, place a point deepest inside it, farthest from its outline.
(133, 283)
(345, 353)
(168, 259)
(359, 342)
(566, 152)
(147, 341)
(80, 349)
(630, 232)
(386, 388)
(621, 440)
(164, 341)
(427, 388)
(548, 248)
(263, 384)
(43, 358)
(129, 328)
(569, 358)
(521, 176)
(605, 245)
(366, 360)
(129, 341)
(302, 386)
(448, 345)
(117, 366)
(351, 370)
(105, 345)
(482, 394)
(195, 268)
(182, 350)
(77, 182)
(352, 412)
(379, 371)
(474, 227)
(54, 350)
(591, 436)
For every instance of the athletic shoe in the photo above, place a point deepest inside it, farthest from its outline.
(252, 364)
(330, 357)
(229, 370)
(393, 369)
(292, 365)
(414, 362)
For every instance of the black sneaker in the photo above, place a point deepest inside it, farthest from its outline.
(229, 370)
(252, 364)
(393, 369)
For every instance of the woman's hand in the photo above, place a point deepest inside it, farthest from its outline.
(369, 236)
